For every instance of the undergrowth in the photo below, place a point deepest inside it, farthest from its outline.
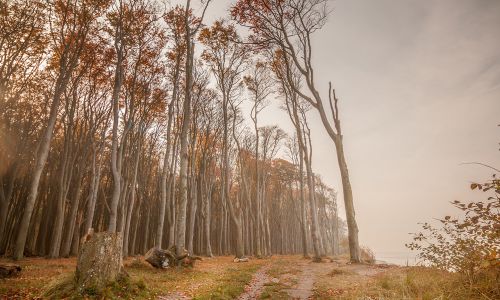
(425, 283)
(124, 288)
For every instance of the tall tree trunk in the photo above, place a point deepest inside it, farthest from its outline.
(166, 164)
(192, 214)
(208, 249)
(4, 207)
(145, 245)
(239, 247)
(115, 165)
(313, 208)
(75, 244)
(186, 121)
(72, 216)
(131, 201)
(303, 208)
(93, 191)
(57, 228)
(352, 226)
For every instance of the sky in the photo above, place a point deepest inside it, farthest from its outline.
(419, 89)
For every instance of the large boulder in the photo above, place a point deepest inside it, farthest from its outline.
(99, 260)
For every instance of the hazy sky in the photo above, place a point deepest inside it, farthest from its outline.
(419, 85)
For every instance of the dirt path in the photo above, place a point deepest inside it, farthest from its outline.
(304, 287)
(254, 289)
(300, 279)
(309, 272)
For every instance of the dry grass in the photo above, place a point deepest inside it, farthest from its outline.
(123, 288)
(402, 283)
(340, 272)
(36, 275)
(210, 279)
(283, 274)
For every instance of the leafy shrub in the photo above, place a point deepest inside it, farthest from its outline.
(468, 245)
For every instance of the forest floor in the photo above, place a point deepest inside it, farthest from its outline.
(278, 277)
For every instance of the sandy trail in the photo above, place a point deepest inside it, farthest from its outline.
(306, 278)
(311, 272)
(305, 285)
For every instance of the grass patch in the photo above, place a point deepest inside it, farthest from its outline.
(282, 277)
(278, 269)
(274, 290)
(124, 288)
(202, 280)
(411, 283)
(164, 281)
(339, 272)
(231, 284)
(138, 263)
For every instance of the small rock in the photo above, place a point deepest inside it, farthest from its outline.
(244, 259)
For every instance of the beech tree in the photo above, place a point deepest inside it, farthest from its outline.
(186, 120)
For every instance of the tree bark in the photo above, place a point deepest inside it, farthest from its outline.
(352, 226)
(186, 121)
(130, 209)
(99, 261)
(166, 164)
(115, 165)
(303, 208)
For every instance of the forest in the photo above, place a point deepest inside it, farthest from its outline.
(139, 119)
(112, 121)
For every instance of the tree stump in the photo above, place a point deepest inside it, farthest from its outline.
(162, 259)
(99, 260)
(7, 270)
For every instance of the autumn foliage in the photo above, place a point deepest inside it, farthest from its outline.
(469, 244)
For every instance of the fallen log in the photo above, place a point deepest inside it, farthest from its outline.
(162, 259)
(8, 270)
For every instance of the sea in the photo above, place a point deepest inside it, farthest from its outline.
(397, 258)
